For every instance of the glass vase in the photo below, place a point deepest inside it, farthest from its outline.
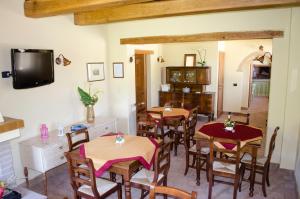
(90, 115)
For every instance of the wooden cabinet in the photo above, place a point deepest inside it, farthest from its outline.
(195, 78)
(204, 100)
(188, 75)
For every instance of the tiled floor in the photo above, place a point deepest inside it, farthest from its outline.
(283, 185)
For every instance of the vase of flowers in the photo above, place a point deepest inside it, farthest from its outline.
(88, 100)
(229, 124)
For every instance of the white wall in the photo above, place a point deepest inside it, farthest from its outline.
(265, 19)
(57, 102)
(174, 56)
(236, 97)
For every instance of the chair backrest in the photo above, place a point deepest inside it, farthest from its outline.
(157, 118)
(81, 136)
(189, 131)
(272, 145)
(150, 133)
(162, 161)
(217, 145)
(81, 175)
(171, 191)
(239, 118)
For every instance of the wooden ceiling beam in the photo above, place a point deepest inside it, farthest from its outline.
(45, 8)
(216, 36)
(171, 8)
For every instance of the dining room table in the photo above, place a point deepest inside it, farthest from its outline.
(250, 138)
(170, 112)
(123, 158)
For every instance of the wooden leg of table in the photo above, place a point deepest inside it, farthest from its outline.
(198, 168)
(127, 186)
(252, 174)
(26, 176)
(45, 183)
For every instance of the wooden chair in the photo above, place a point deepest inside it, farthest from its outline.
(180, 127)
(156, 118)
(199, 153)
(262, 164)
(173, 192)
(84, 182)
(228, 168)
(145, 179)
(239, 118)
(75, 139)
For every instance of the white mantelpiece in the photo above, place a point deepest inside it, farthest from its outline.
(9, 129)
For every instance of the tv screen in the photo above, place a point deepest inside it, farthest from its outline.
(32, 67)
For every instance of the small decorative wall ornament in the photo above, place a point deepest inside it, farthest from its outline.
(160, 59)
(202, 57)
(62, 60)
(131, 59)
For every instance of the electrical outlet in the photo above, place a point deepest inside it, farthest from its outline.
(234, 84)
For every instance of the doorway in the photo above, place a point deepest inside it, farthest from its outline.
(140, 83)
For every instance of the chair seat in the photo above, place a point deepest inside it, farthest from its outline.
(247, 158)
(224, 167)
(103, 186)
(145, 177)
(204, 150)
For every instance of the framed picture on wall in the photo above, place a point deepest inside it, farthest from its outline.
(95, 71)
(189, 59)
(118, 70)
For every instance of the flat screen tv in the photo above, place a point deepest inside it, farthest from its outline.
(32, 67)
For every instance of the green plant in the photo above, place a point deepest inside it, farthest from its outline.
(86, 97)
(229, 123)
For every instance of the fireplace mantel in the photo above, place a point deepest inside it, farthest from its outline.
(9, 129)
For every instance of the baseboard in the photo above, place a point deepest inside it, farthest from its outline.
(244, 108)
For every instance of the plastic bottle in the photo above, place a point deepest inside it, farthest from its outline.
(44, 131)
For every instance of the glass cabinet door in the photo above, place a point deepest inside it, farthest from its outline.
(190, 76)
(176, 76)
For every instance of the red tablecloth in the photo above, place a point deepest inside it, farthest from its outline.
(244, 133)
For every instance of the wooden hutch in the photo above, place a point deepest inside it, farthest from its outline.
(195, 78)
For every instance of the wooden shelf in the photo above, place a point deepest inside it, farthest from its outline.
(10, 124)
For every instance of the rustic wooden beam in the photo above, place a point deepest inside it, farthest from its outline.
(216, 36)
(171, 8)
(44, 8)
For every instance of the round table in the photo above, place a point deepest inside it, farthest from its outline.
(244, 133)
(172, 112)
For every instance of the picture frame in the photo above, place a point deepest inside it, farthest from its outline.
(189, 60)
(95, 71)
(118, 70)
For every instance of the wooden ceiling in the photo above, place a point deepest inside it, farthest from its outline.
(88, 12)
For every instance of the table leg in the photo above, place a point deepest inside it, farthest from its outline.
(127, 186)
(26, 176)
(45, 183)
(198, 165)
(253, 168)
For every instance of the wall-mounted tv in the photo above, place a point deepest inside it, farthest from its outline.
(32, 67)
